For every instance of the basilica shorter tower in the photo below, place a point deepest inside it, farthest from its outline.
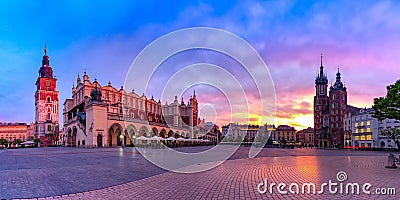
(46, 104)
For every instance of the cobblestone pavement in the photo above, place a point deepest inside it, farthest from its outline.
(236, 178)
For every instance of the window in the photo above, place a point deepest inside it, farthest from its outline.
(369, 137)
(49, 127)
(48, 99)
(368, 130)
(355, 124)
(362, 123)
(362, 137)
(368, 123)
(49, 116)
(356, 137)
(356, 130)
(362, 130)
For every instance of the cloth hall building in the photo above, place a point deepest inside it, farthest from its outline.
(100, 116)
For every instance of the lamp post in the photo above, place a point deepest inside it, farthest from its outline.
(122, 139)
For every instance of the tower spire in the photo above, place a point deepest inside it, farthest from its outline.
(321, 78)
(321, 61)
(45, 49)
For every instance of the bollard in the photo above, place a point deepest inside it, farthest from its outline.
(391, 163)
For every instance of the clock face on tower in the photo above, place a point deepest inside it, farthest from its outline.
(47, 83)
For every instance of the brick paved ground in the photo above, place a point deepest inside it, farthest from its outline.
(234, 179)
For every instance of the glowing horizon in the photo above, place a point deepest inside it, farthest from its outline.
(105, 37)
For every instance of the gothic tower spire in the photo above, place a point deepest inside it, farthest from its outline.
(321, 78)
(45, 71)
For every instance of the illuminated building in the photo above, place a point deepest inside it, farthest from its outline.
(100, 116)
(46, 104)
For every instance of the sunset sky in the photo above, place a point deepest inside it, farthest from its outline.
(104, 37)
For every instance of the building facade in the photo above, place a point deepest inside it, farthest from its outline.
(244, 132)
(366, 131)
(284, 134)
(46, 104)
(99, 116)
(351, 111)
(13, 131)
(306, 137)
(329, 110)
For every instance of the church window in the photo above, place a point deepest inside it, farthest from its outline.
(48, 99)
(48, 116)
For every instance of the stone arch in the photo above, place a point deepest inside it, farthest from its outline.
(69, 137)
(170, 133)
(154, 131)
(130, 135)
(163, 133)
(115, 135)
(183, 134)
(143, 131)
(74, 133)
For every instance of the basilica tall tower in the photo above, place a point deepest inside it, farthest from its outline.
(46, 104)
(321, 108)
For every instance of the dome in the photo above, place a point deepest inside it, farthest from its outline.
(95, 94)
(46, 71)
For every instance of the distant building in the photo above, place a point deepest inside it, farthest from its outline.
(306, 137)
(329, 110)
(351, 110)
(213, 133)
(385, 141)
(224, 130)
(13, 131)
(284, 134)
(46, 104)
(30, 132)
(247, 132)
(366, 130)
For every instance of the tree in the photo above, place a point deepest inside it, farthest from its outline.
(389, 108)
(37, 141)
(17, 142)
(3, 142)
